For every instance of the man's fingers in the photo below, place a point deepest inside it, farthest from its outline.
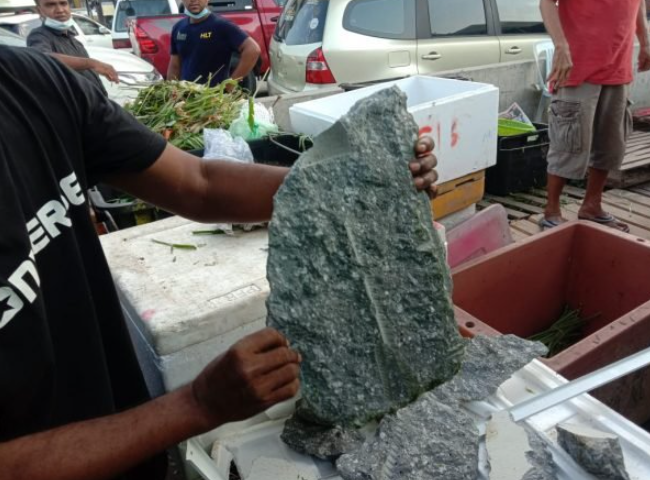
(284, 393)
(423, 164)
(424, 144)
(262, 341)
(277, 380)
(424, 182)
(276, 359)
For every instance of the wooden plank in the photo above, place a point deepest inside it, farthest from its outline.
(640, 190)
(571, 194)
(629, 178)
(564, 198)
(632, 167)
(636, 148)
(638, 140)
(639, 226)
(517, 235)
(512, 214)
(627, 195)
(636, 157)
(531, 198)
(514, 204)
(526, 227)
(636, 163)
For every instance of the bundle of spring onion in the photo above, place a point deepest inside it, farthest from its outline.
(566, 331)
(180, 110)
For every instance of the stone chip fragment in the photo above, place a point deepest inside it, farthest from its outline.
(598, 452)
(322, 442)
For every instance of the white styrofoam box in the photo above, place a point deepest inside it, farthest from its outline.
(461, 117)
(189, 305)
(255, 444)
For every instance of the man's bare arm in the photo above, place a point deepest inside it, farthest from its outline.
(253, 375)
(562, 63)
(222, 191)
(249, 54)
(80, 64)
(174, 68)
(204, 190)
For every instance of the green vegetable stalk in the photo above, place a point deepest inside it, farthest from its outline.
(566, 331)
(180, 110)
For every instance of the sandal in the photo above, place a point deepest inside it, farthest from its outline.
(545, 224)
(608, 220)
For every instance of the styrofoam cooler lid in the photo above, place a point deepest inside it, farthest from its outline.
(460, 116)
(184, 297)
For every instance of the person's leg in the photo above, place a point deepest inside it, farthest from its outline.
(592, 203)
(571, 117)
(553, 210)
(611, 128)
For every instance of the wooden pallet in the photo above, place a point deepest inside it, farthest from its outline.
(636, 164)
(631, 206)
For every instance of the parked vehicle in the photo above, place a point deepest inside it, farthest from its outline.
(88, 31)
(127, 9)
(14, 6)
(324, 42)
(134, 72)
(150, 35)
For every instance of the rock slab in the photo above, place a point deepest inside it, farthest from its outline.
(598, 452)
(435, 437)
(359, 281)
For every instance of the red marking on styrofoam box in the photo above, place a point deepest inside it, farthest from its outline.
(147, 314)
(425, 130)
(454, 134)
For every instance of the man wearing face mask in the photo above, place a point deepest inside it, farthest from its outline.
(202, 46)
(56, 38)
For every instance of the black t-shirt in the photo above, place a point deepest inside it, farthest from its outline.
(65, 353)
(206, 48)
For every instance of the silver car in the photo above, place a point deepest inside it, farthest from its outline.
(323, 42)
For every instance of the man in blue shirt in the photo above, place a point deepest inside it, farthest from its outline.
(202, 46)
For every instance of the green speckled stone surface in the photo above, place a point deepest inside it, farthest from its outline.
(359, 281)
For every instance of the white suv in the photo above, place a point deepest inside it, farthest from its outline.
(321, 42)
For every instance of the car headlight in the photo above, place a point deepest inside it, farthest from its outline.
(135, 78)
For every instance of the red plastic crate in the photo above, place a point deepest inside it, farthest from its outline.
(523, 288)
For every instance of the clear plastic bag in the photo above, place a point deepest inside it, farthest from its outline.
(221, 145)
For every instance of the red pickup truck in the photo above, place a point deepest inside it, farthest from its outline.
(150, 35)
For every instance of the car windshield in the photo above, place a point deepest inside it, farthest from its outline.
(134, 8)
(302, 22)
(10, 40)
(22, 28)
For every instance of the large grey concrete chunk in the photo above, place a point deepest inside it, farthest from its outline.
(424, 441)
(359, 281)
(598, 452)
(489, 361)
